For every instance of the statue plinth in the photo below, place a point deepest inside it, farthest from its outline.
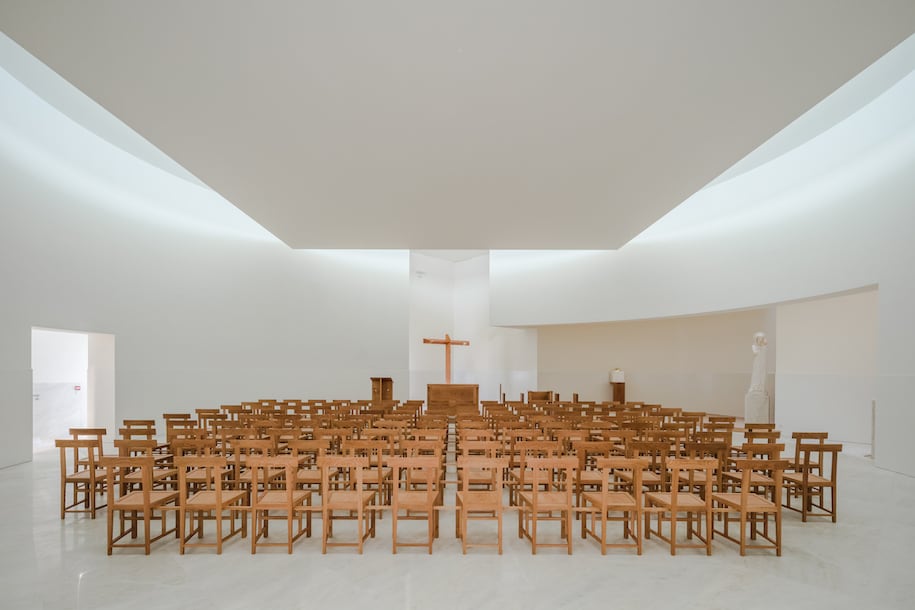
(756, 407)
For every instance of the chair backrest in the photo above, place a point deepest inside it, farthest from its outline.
(801, 438)
(308, 451)
(374, 451)
(490, 449)
(495, 466)
(95, 434)
(263, 475)
(689, 466)
(555, 473)
(656, 453)
(133, 447)
(410, 471)
(824, 457)
(349, 468)
(769, 451)
(193, 446)
(213, 468)
(769, 468)
(611, 465)
(119, 467)
(76, 451)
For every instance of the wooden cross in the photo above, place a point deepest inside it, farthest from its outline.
(447, 342)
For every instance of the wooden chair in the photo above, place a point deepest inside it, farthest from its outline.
(135, 505)
(342, 481)
(811, 488)
(202, 494)
(308, 453)
(417, 491)
(761, 481)
(94, 434)
(753, 509)
(164, 472)
(802, 438)
(552, 481)
(589, 475)
(377, 475)
(277, 494)
(694, 507)
(613, 503)
(79, 470)
(518, 479)
(655, 477)
(479, 504)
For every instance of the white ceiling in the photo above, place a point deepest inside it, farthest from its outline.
(457, 125)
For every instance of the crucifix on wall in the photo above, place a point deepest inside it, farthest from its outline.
(447, 342)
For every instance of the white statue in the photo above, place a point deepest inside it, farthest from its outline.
(756, 402)
(758, 378)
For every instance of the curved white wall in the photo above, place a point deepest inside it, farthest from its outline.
(831, 216)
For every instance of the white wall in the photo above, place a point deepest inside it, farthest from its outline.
(697, 363)
(498, 357)
(453, 297)
(831, 216)
(431, 316)
(102, 407)
(202, 316)
(827, 366)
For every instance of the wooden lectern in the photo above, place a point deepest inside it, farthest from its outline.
(382, 389)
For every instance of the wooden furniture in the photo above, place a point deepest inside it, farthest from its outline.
(674, 506)
(753, 509)
(137, 503)
(447, 342)
(416, 492)
(477, 504)
(539, 396)
(203, 495)
(810, 487)
(613, 503)
(552, 480)
(382, 389)
(272, 494)
(618, 391)
(453, 399)
(80, 471)
(344, 491)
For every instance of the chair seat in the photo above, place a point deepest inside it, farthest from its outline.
(204, 499)
(86, 475)
(590, 477)
(478, 476)
(134, 499)
(479, 500)
(275, 473)
(755, 479)
(812, 479)
(157, 474)
(413, 500)
(616, 500)
(698, 477)
(277, 499)
(347, 500)
(199, 475)
(685, 501)
(310, 475)
(755, 502)
(546, 500)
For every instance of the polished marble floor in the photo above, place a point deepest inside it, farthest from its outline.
(863, 561)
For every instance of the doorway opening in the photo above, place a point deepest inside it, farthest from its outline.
(72, 383)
